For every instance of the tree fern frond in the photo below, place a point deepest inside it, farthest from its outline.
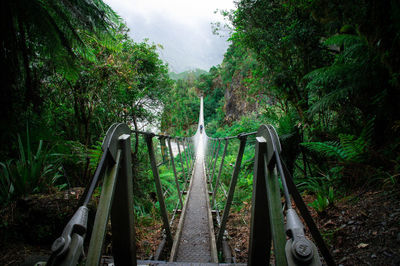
(61, 14)
(342, 39)
(349, 149)
(330, 99)
(368, 130)
(328, 76)
(330, 149)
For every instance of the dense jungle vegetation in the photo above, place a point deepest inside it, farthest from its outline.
(70, 71)
(326, 74)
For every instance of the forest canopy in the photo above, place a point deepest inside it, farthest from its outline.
(324, 73)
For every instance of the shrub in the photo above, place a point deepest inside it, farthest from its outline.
(32, 172)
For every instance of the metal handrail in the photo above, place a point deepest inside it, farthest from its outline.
(245, 134)
(267, 222)
(212, 163)
(117, 193)
(291, 254)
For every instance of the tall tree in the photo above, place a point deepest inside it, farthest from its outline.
(34, 31)
(287, 42)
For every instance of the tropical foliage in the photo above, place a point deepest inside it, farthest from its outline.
(326, 75)
(70, 71)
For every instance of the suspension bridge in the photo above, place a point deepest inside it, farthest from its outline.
(277, 234)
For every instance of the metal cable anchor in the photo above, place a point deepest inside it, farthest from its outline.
(68, 248)
(299, 250)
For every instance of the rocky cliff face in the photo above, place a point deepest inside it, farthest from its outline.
(238, 102)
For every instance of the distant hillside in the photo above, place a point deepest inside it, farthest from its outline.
(184, 75)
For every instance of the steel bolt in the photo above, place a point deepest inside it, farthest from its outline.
(302, 249)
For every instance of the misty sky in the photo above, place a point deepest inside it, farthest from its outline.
(182, 27)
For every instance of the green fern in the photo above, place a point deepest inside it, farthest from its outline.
(95, 154)
(32, 172)
(331, 86)
(6, 186)
(322, 188)
(349, 148)
(323, 200)
(320, 203)
(328, 149)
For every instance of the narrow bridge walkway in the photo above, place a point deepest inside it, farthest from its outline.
(195, 240)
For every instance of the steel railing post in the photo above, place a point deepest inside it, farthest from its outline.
(231, 189)
(180, 157)
(185, 149)
(68, 248)
(210, 147)
(275, 212)
(216, 159)
(102, 213)
(265, 226)
(211, 158)
(189, 143)
(221, 166)
(122, 211)
(163, 148)
(157, 181)
(175, 174)
(260, 232)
